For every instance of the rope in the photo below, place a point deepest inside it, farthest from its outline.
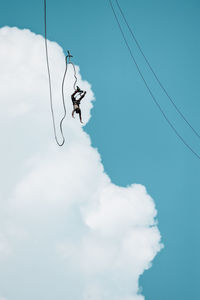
(50, 86)
(63, 101)
(148, 88)
(75, 82)
(63, 97)
(156, 77)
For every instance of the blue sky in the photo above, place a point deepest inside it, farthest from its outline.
(135, 142)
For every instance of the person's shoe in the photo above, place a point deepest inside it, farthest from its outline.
(78, 89)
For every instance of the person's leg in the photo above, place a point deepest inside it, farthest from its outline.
(74, 93)
(82, 96)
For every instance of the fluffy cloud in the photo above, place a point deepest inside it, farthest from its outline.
(65, 229)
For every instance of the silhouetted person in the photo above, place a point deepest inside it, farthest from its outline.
(76, 102)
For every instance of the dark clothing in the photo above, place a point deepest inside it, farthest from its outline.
(76, 103)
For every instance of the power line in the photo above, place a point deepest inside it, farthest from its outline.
(148, 88)
(153, 72)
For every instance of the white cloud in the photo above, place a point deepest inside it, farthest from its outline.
(66, 228)
(5, 249)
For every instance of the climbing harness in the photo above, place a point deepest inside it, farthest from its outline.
(148, 87)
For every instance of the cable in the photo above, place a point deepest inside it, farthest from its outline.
(156, 77)
(75, 82)
(63, 100)
(63, 97)
(50, 87)
(148, 88)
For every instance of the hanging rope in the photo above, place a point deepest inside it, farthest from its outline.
(148, 88)
(70, 63)
(75, 82)
(153, 72)
(63, 97)
(50, 86)
(63, 101)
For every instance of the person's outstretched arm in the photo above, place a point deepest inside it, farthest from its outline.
(73, 112)
(80, 116)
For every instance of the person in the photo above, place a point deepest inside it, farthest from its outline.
(76, 102)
